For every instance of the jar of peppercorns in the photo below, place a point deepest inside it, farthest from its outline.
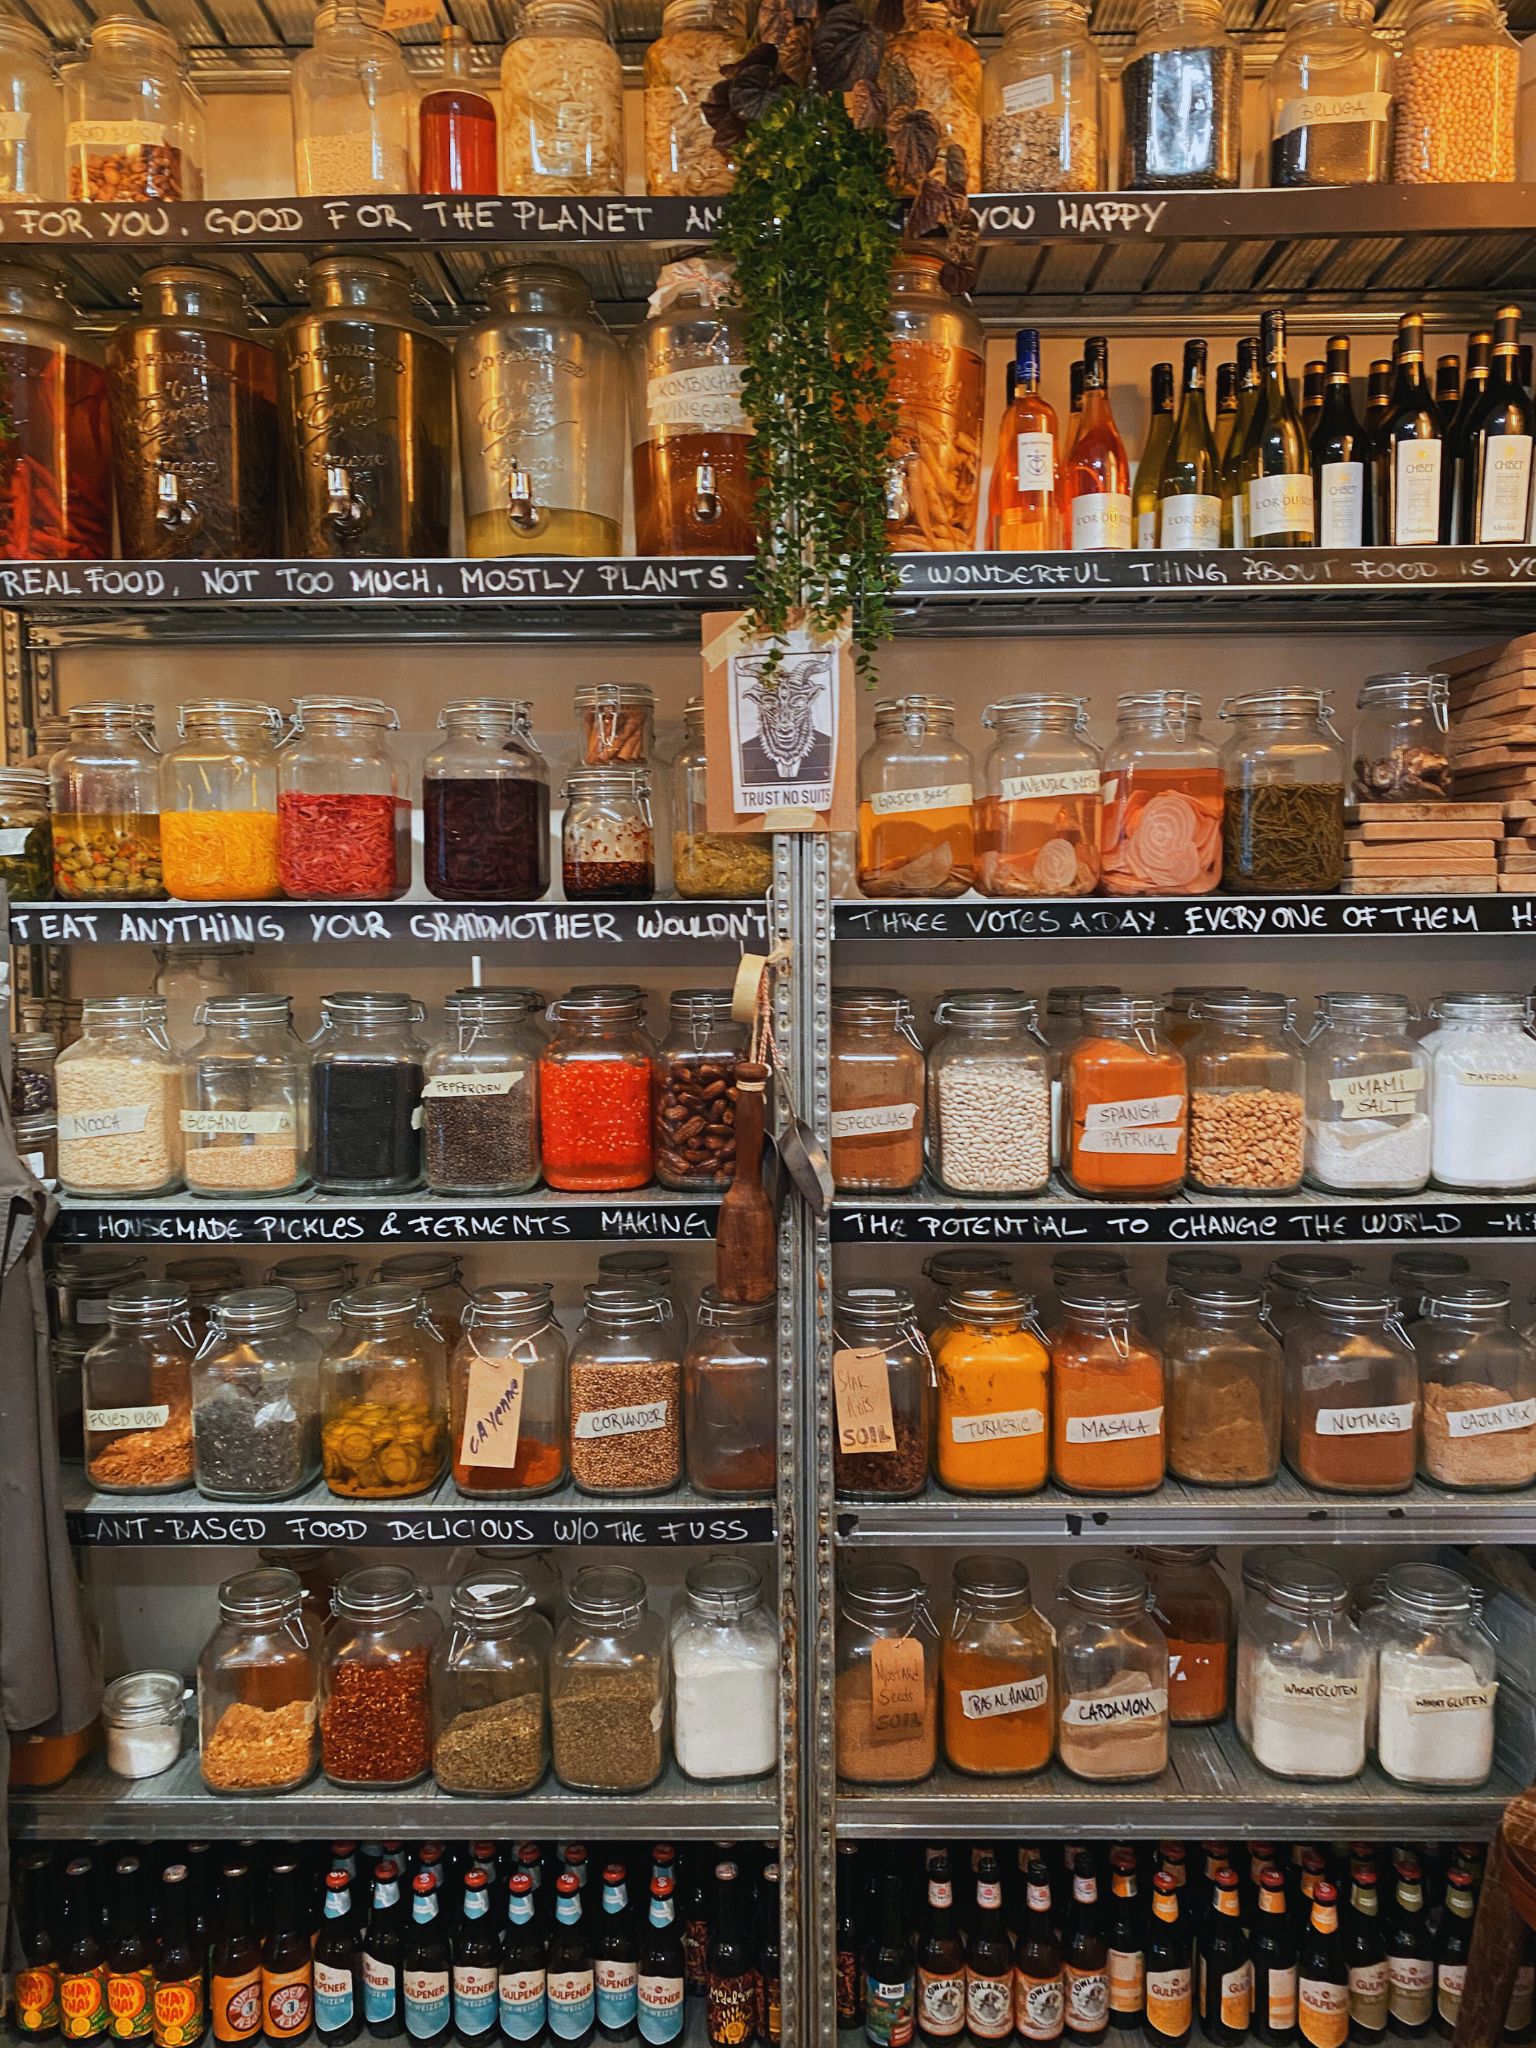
(376, 1721)
(696, 1091)
(595, 1089)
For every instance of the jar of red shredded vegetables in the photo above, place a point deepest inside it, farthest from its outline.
(595, 1087)
(343, 801)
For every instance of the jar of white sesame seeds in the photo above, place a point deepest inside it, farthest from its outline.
(989, 1095)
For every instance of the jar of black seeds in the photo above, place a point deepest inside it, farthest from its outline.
(479, 1105)
(365, 1090)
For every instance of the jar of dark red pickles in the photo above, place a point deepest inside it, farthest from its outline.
(343, 801)
(595, 1089)
(485, 803)
(57, 502)
(607, 840)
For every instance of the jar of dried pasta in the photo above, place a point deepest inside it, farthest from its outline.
(915, 796)
(995, 1673)
(698, 39)
(1478, 1379)
(562, 101)
(887, 1676)
(876, 1086)
(1224, 1373)
(1458, 77)
(119, 1095)
(1040, 98)
(705, 863)
(938, 382)
(1247, 1108)
(1037, 818)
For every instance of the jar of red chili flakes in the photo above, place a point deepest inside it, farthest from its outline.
(595, 1088)
(375, 1721)
(343, 801)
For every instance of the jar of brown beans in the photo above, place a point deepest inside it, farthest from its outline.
(695, 1092)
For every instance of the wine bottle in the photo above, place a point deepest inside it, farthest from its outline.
(1150, 468)
(1455, 471)
(1189, 490)
(1499, 442)
(1314, 377)
(1338, 457)
(1023, 513)
(1097, 476)
(1234, 524)
(1378, 394)
(1277, 469)
(1226, 410)
(1406, 452)
(1447, 387)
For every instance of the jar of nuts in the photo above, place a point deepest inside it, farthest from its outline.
(1040, 102)
(125, 111)
(696, 1091)
(1458, 76)
(1247, 1096)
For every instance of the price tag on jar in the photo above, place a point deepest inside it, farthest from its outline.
(896, 1687)
(861, 1389)
(493, 1414)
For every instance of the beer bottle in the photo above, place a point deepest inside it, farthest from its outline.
(426, 1965)
(890, 1987)
(200, 1867)
(662, 1976)
(1170, 2002)
(1039, 1996)
(520, 1979)
(1322, 1975)
(770, 1982)
(1452, 1950)
(569, 1983)
(1127, 1940)
(850, 1966)
(383, 1940)
(1085, 1957)
(287, 1961)
(180, 2017)
(614, 1963)
(476, 1956)
(530, 1860)
(82, 1963)
(130, 1979)
(1410, 1959)
(482, 1856)
(337, 1965)
(1226, 1969)
(731, 2003)
(940, 1962)
(988, 1960)
(1274, 1964)
(35, 1986)
(234, 1961)
(1366, 1956)
(1520, 2016)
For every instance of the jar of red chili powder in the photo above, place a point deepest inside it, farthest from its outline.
(343, 801)
(595, 1089)
(375, 1723)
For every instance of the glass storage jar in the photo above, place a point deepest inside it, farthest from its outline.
(1037, 821)
(245, 1100)
(1225, 1375)
(143, 1714)
(375, 1719)
(725, 1674)
(1111, 1675)
(731, 1398)
(205, 1278)
(1457, 87)
(1351, 1390)
(1247, 1112)
(696, 1090)
(194, 421)
(1191, 1605)
(186, 977)
(607, 837)
(692, 438)
(33, 1092)
(1181, 1009)
(506, 1394)
(626, 1382)
(1330, 97)
(1368, 1097)
(317, 1279)
(366, 411)
(1477, 1381)
(104, 791)
(57, 504)
(383, 1429)
(1061, 1028)
(194, 136)
(698, 39)
(354, 105)
(915, 797)
(1181, 100)
(1284, 767)
(1125, 1103)
(1041, 95)
(1288, 1279)
(937, 385)
(596, 1088)
(1162, 797)
(653, 1272)
(608, 1684)
(480, 1101)
(26, 841)
(31, 118)
(1401, 752)
(1303, 1673)
(875, 1084)
(540, 385)
(989, 1095)
(218, 801)
(995, 1673)
(886, 1684)
(137, 1381)
(617, 724)
(562, 100)
(119, 1090)
(1414, 1273)
(947, 1273)
(343, 802)
(932, 51)
(365, 1091)
(457, 126)
(490, 1686)
(81, 1278)
(124, 111)
(882, 1377)
(1107, 1393)
(705, 863)
(256, 1399)
(1483, 1093)
(1436, 1679)
(485, 805)
(992, 1371)
(258, 1688)
(438, 1278)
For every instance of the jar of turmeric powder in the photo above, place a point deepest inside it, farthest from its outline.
(949, 1272)
(1107, 1395)
(1224, 1373)
(1124, 1125)
(993, 1406)
(1193, 1608)
(995, 1672)
(887, 1677)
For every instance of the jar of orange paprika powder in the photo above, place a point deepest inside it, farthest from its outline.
(1126, 1125)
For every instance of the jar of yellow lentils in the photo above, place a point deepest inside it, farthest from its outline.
(1457, 78)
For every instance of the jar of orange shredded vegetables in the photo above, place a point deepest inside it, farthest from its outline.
(993, 1410)
(1127, 1102)
(1107, 1394)
(995, 1672)
(218, 802)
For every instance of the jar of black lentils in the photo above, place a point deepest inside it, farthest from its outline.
(365, 1090)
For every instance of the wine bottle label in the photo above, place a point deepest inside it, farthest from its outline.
(1368, 1995)
(1190, 522)
(1035, 453)
(1331, 110)
(381, 1991)
(520, 2003)
(1127, 1979)
(1007, 1422)
(1322, 2011)
(1390, 1420)
(1102, 519)
(1146, 529)
(1417, 495)
(1410, 1989)
(1237, 1997)
(1170, 2002)
(474, 1999)
(571, 1997)
(1026, 93)
(334, 1996)
(1280, 504)
(933, 796)
(941, 2005)
(1343, 505)
(1131, 1426)
(989, 2007)
(617, 1988)
(1502, 512)
(1039, 2006)
(661, 2008)
(1282, 1999)
(1450, 1986)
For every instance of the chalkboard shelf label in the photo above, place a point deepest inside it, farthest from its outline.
(653, 1216)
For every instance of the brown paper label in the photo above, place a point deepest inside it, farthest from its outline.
(862, 1391)
(896, 1688)
(410, 13)
(493, 1411)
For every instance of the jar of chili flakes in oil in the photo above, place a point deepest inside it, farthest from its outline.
(595, 1092)
(376, 1723)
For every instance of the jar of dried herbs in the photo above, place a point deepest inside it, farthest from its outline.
(705, 863)
(26, 842)
(489, 1683)
(258, 1688)
(1283, 830)
(1401, 751)
(608, 1684)
(479, 1103)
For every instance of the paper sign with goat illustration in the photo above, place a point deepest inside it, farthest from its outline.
(779, 735)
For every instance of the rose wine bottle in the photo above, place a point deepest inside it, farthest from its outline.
(1097, 476)
(1023, 515)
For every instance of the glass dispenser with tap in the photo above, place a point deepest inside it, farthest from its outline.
(693, 495)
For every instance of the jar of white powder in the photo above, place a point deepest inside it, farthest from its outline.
(725, 1674)
(1484, 1087)
(1436, 1679)
(143, 1715)
(1304, 1675)
(1368, 1098)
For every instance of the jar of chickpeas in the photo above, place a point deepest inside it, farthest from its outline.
(1457, 81)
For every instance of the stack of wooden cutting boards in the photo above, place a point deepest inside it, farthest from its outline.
(1449, 849)
(1493, 748)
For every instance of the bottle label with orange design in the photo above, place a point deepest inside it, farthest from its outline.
(1127, 1969)
(83, 2010)
(236, 2003)
(287, 2002)
(129, 1996)
(178, 2013)
(35, 1999)
(1322, 2012)
(1237, 1998)
(1039, 2006)
(1170, 2002)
